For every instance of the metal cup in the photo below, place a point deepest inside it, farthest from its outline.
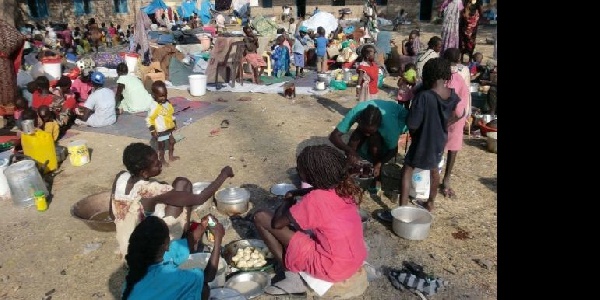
(27, 126)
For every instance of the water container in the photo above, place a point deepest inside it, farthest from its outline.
(197, 84)
(40, 147)
(78, 153)
(4, 188)
(52, 67)
(24, 180)
(419, 184)
(131, 59)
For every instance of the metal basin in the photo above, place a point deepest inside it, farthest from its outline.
(281, 188)
(249, 284)
(93, 211)
(364, 217)
(200, 260)
(411, 223)
(231, 249)
(232, 201)
(225, 293)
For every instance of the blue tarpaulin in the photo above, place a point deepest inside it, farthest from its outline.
(187, 8)
(154, 5)
(204, 13)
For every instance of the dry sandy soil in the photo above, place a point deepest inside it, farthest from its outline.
(43, 252)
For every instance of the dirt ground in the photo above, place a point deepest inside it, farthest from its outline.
(43, 252)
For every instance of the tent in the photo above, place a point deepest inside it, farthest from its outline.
(154, 5)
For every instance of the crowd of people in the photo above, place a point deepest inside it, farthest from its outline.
(317, 229)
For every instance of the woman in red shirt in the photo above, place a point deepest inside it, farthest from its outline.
(368, 74)
(321, 234)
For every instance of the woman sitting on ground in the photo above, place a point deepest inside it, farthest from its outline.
(136, 195)
(151, 277)
(131, 95)
(335, 250)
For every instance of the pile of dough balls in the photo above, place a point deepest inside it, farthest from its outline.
(251, 257)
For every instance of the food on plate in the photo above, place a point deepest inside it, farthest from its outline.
(251, 257)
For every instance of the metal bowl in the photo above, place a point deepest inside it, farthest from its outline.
(199, 186)
(363, 182)
(411, 223)
(93, 211)
(364, 217)
(200, 260)
(249, 284)
(281, 188)
(225, 293)
(231, 249)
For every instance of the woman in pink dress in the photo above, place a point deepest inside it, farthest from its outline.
(455, 130)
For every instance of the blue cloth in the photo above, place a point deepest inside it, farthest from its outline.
(178, 251)
(154, 5)
(165, 281)
(393, 123)
(204, 13)
(187, 9)
(383, 43)
(321, 44)
(281, 60)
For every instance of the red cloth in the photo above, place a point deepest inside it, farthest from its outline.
(39, 100)
(373, 72)
(338, 249)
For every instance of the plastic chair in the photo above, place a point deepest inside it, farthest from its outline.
(234, 66)
(267, 57)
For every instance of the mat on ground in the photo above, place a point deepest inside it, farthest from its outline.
(134, 125)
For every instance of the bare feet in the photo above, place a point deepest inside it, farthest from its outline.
(164, 162)
(173, 158)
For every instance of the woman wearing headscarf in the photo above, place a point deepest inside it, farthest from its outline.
(451, 10)
(11, 51)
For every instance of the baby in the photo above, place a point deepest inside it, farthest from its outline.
(405, 84)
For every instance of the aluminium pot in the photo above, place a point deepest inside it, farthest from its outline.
(232, 201)
(411, 223)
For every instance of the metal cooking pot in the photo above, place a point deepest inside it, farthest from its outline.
(411, 223)
(232, 201)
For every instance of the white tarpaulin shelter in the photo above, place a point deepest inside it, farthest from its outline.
(323, 19)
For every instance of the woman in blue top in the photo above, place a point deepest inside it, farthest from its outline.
(150, 277)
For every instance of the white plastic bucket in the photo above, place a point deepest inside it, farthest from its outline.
(52, 67)
(197, 84)
(131, 59)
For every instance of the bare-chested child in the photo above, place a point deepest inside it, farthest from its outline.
(161, 121)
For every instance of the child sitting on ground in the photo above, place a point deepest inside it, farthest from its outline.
(475, 67)
(136, 195)
(48, 122)
(251, 56)
(406, 82)
(161, 121)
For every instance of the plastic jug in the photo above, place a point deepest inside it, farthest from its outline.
(4, 188)
(24, 180)
(40, 147)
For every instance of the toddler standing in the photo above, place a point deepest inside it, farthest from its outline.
(321, 43)
(161, 121)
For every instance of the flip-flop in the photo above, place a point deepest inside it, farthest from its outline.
(275, 290)
(385, 215)
(418, 203)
